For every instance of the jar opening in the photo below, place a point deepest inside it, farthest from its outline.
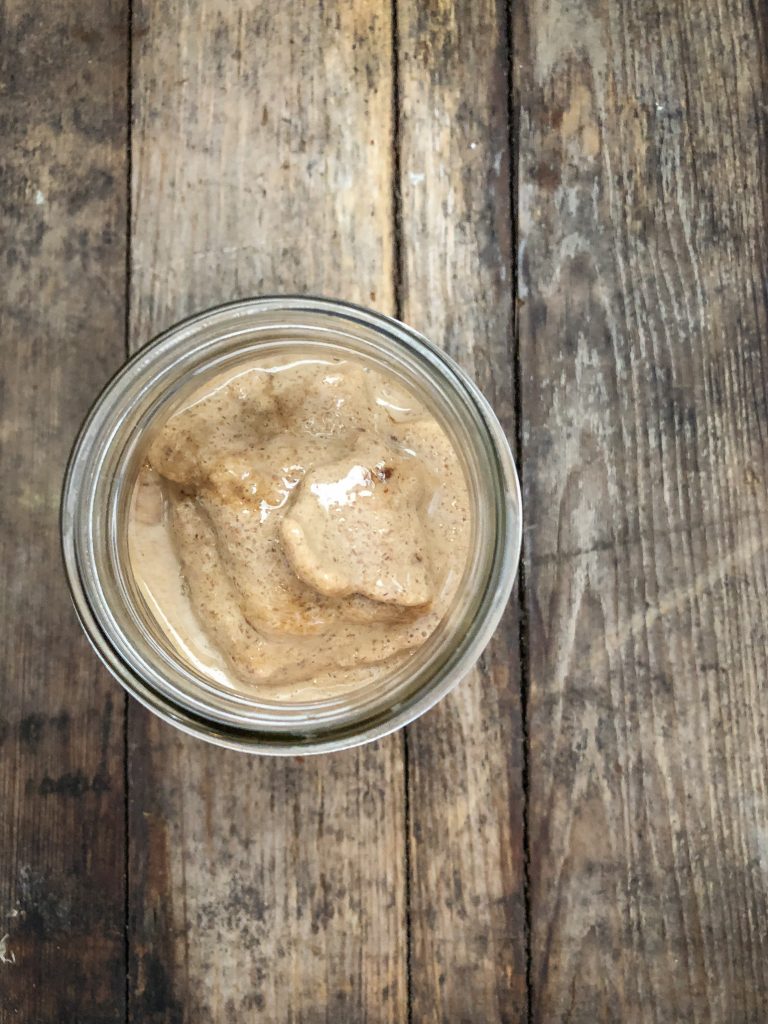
(101, 489)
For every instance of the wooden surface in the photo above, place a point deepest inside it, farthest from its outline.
(644, 348)
(569, 196)
(62, 225)
(467, 914)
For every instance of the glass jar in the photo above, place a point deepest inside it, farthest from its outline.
(104, 465)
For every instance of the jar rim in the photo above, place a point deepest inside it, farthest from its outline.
(153, 367)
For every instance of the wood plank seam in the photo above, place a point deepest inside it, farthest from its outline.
(397, 198)
(127, 341)
(397, 289)
(513, 143)
(129, 173)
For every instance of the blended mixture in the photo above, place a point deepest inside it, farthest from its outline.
(300, 527)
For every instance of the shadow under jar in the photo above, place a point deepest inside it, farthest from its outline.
(99, 500)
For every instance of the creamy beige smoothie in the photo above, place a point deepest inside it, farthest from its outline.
(299, 527)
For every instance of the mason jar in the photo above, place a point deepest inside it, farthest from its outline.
(104, 466)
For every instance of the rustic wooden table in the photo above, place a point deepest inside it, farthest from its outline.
(570, 196)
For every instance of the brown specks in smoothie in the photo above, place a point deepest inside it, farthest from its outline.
(346, 534)
(319, 516)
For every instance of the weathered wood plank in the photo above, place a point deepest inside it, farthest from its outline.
(62, 224)
(262, 162)
(465, 790)
(262, 154)
(644, 341)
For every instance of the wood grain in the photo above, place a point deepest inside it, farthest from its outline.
(465, 757)
(262, 162)
(62, 221)
(644, 352)
(265, 154)
(262, 155)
